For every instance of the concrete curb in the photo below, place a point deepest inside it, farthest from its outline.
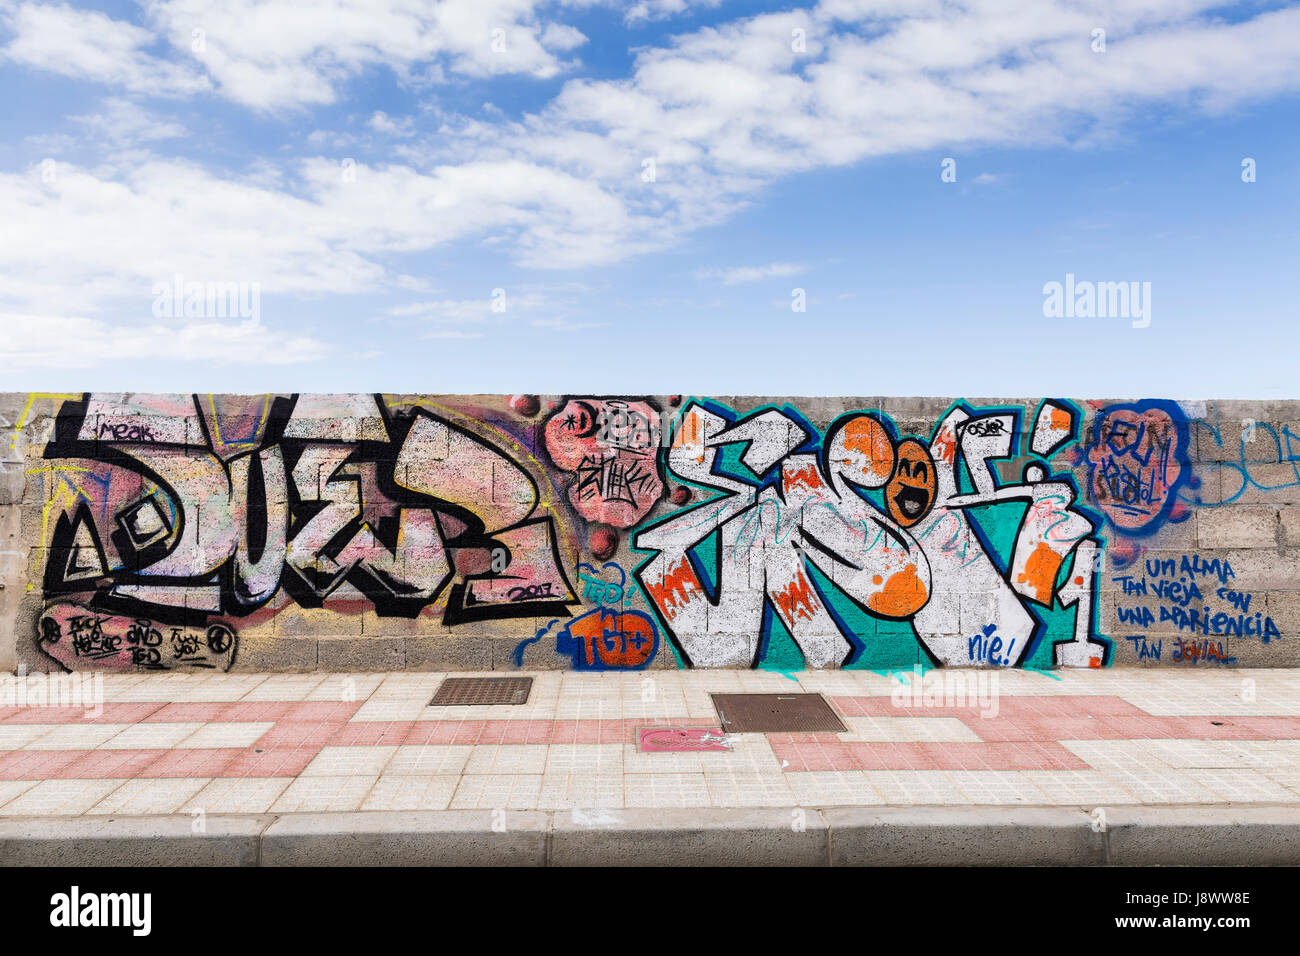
(1254, 835)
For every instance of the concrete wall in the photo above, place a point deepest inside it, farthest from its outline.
(361, 532)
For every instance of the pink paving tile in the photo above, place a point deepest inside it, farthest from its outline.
(1017, 755)
(273, 762)
(117, 713)
(194, 762)
(300, 733)
(424, 732)
(370, 733)
(188, 713)
(894, 756)
(256, 710)
(858, 755)
(1068, 705)
(103, 764)
(319, 710)
(35, 764)
(815, 756)
(576, 731)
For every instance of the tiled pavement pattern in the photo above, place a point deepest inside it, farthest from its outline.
(256, 743)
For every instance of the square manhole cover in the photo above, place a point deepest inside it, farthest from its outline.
(776, 713)
(482, 690)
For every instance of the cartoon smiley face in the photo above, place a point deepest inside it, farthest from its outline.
(912, 487)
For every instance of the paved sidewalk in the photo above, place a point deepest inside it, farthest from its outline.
(283, 745)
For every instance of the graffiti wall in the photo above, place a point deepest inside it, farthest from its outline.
(591, 532)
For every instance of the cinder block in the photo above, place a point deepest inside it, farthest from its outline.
(1289, 518)
(1233, 526)
(367, 654)
(449, 654)
(277, 653)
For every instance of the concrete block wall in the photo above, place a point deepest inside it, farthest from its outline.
(481, 532)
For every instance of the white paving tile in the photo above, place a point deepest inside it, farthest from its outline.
(238, 795)
(325, 794)
(150, 795)
(349, 761)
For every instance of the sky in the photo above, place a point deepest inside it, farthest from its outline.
(850, 197)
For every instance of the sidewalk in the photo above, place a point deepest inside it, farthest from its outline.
(1093, 766)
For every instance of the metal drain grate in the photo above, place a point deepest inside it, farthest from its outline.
(776, 713)
(482, 690)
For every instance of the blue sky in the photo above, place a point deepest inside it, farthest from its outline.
(375, 170)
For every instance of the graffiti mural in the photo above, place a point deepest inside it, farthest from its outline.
(598, 532)
(608, 448)
(794, 526)
(183, 509)
(1138, 461)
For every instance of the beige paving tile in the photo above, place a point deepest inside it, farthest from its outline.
(347, 761)
(346, 688)
(749, 753)
(637, 761)
(84, 736)
(666, 790)
(320, 794)
(568, 758)
(1086, 788)
(507, 758)
(9, 789)
(490, 791)
(833, 788)
(18, 736)
(412, 792)
(565, 791)
(60, 797)
(286, 687)
(916, 787)
(150, 736)
(389, 709)
(429, 760)
(227, 734)
(729, 788)
(997, 787)
(142, 795)
(1240, 785)
(1161, 785)
(238, 795)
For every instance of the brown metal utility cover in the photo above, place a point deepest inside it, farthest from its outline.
(776, 713)
(482, 690)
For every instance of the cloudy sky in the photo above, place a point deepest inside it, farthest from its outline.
(585, 195)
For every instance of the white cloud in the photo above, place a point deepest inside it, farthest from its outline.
(74, 342)
(381, 122)
(645, 10)
(275, 54)
(120, 123)
(89, 45)
(723, 112)
(739, 274)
